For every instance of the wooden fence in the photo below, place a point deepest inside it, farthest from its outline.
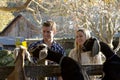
(50, 70)
(47, 71)
(68, 44)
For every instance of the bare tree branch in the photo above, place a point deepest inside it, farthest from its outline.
(40, 6)
(19, 8)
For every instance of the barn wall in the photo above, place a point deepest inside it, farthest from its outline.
(20, 28)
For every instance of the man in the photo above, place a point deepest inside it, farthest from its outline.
(48, 32)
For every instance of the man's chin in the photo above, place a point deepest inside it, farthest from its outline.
(47, 39)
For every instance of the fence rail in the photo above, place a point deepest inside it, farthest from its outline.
(47, 71)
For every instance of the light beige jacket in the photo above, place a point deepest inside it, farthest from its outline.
(86, 59)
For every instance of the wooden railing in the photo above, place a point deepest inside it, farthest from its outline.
(47, 71)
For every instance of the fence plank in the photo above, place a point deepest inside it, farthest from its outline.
(47, 71)
(44, 71)
(94, 69)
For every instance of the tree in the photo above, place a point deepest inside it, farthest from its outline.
(100, 16)
(5, 17)
(21, 6)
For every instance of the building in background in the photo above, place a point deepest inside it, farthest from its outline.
(20, 27)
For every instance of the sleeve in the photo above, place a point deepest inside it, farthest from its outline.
(31, 45)
(71, 53)
(63, 52)
(60, 49)
(34, 44)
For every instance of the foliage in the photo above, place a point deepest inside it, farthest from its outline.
(6, 58)
(5, 17)
(103, 20)
(100, 16)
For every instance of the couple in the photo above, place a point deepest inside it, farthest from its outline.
(48, 32)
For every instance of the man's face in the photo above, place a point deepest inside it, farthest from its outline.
(48, 33)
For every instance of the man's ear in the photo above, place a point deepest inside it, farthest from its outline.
(95, 48)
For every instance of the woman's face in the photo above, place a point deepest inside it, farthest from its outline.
(80, 38)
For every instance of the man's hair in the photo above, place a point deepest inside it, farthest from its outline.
(50, 23)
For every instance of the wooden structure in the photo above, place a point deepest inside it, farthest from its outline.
(47, 71)
(20, 27)
(68, 43)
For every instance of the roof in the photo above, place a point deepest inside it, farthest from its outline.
(9, 40)
(16, 19)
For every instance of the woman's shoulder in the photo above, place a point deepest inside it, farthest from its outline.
(72, 51)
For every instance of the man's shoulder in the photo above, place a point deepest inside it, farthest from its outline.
(57, 44)
(35, 43)
(38, 42)
(58, 48)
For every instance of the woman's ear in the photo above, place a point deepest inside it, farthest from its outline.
(95, 48)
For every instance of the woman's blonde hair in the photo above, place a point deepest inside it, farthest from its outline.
(78, 49)
(86, 32)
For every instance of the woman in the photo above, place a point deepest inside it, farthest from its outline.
(79, 55)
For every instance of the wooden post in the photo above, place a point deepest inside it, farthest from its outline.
(47, 70)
